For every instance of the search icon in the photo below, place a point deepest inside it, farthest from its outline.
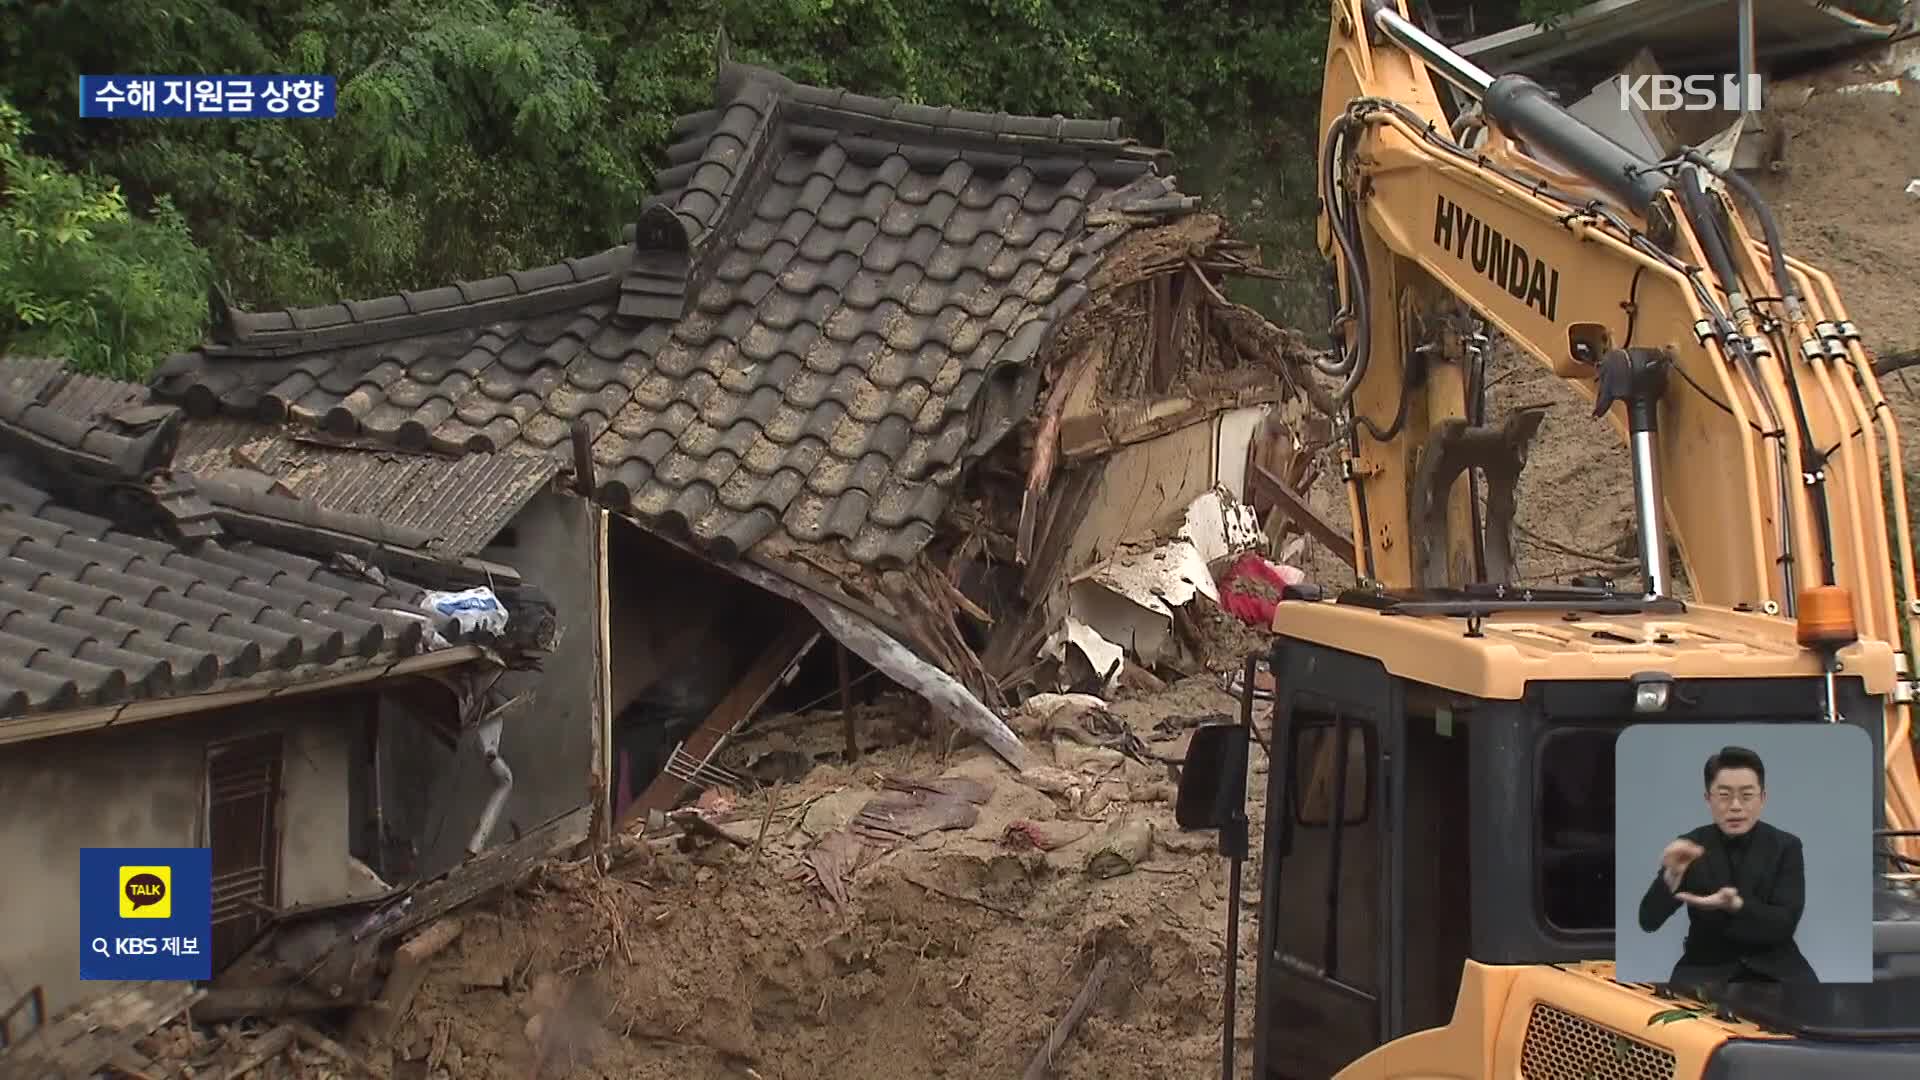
(100, 946)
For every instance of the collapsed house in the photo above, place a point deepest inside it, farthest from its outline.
(924, 384)
(902, 370)
(185, 663)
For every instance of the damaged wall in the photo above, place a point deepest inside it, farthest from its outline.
(145, 786)
(550, 746)
(1155, 390)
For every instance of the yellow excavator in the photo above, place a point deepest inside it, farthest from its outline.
(1442, 906)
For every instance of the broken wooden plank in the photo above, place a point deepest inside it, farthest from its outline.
(309, 1035)
(1164, 366)
(695, 824)
(1042, 1064)
(844, 668)
(1094, 436)
(224, 1003)
(1296, 508)
(87, 1038)
(496, 869)
(376, 1023)
(740, 703)
(264, 1049)
(1046, 445)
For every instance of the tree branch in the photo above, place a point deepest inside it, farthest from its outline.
(1888, 363)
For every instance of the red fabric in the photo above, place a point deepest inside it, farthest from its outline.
(1247, 604)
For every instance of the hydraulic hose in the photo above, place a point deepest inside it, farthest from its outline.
(1776, 251)
(1343, 223)
(1715, 240)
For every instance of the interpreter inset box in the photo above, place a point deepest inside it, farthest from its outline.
(1743, 853)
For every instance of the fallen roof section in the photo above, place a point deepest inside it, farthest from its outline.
(828, 310)
(1683, 34)
(123, 581)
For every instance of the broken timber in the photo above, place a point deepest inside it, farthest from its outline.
(87, 1039)
(1042, 1064)
(257, 984)
(741, 702)
(1296, 508)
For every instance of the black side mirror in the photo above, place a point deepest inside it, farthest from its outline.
(1213, 781)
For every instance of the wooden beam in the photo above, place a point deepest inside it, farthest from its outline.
(741, 702)
(581, 436)
(852, 724)
(1296, 508)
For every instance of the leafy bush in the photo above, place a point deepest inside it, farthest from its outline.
(81, 277)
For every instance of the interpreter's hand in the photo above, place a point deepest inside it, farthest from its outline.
(1726, 899)
(1676, 858)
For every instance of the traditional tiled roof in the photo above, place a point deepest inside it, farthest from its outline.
(117, 582)
(828, 309)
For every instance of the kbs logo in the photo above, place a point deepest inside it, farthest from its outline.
(1689, 93)
(146, 892)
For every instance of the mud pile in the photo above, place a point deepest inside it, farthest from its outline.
(910, 915)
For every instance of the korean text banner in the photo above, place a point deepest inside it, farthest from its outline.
(257, 97)
(146, 913)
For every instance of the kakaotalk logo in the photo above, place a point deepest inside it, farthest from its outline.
(1686, 93)
(146, 892)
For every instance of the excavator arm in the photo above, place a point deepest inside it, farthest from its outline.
(1762, 447)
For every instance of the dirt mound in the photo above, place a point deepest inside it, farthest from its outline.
(1841, 199)
(954, 954)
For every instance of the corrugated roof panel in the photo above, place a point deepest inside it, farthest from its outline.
(463, 502)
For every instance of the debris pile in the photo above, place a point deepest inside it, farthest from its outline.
(915, 914)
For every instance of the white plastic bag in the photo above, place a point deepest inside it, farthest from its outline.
(466, 611)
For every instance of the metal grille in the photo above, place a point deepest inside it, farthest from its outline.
(243, 829)
(1562, 1046)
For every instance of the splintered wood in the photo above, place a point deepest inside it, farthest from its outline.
(90, 1038)
(1042, 1064)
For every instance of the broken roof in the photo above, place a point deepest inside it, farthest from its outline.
(444, 505)
(1686, 35)
(440, 505)
(121, 581)
(828, 309)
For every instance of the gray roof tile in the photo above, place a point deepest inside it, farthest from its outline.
(94, 612)
(795, 339)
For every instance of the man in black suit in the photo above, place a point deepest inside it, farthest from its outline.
(1742, 881)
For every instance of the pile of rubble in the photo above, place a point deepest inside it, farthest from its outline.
(922, 912)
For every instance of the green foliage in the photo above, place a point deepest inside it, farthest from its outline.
(476, 136)
(80, 276)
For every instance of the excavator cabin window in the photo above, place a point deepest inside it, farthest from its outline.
(1314, 757)
(1573, 838)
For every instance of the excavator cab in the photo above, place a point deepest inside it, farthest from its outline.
(1439, 825)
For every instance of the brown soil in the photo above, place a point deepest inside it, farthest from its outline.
(1842, 205)
(955, 956)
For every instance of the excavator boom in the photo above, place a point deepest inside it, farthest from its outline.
(1762, 447)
